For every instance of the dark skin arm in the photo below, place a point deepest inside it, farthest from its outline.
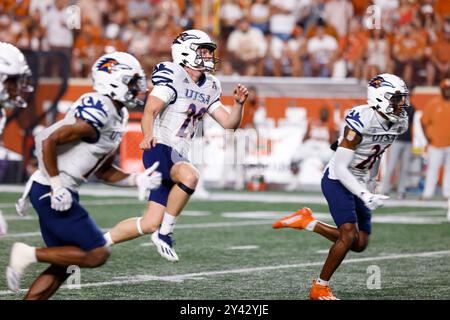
(65, 134)
(351, 139)
(108, 172)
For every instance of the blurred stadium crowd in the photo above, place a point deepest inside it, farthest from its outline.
(310, 38)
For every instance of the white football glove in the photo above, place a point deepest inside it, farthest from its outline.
(150, 179)
(373, 201)
(372, 185)
(61, 199)
(22, 206)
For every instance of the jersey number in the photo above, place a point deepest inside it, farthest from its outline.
(191, 116)
(369, 162)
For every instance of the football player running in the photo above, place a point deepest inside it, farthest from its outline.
(69, 152)
(184, 90)
(14, 86)
(347, 181)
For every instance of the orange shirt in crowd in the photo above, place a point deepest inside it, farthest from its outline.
(411, 47)
(360, 6)
(435, 121)
(353, 46)
(442, 8)
(441, 50)
(18, 8)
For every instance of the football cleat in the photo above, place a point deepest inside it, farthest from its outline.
(319, 292)
(298, 220)
(17, 263)
(13, 279)
(164, 245)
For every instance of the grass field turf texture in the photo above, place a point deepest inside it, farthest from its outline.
(228, 250)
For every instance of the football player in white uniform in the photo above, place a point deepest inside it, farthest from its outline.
(347, 180)
(14, 85)
(69, 152)
(184, 90)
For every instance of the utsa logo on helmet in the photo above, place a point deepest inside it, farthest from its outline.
(109, 65)
(184, 36)
(378, 82)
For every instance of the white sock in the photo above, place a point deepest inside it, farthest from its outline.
(23, 257)
(167, 224)
(321, 282)
(108, 239)
(311, 225)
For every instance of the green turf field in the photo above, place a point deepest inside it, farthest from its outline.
(228, 250)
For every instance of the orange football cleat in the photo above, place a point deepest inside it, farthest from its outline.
(319, 292)
(298, 220)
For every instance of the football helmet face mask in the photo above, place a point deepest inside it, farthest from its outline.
(188, 49)
(120, 76)
(389, 95)
(15, 77)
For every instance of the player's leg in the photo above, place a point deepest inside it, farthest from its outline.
(343, 207)
(137, 226)
(304, 219)
(406, 158)
(47, 283)
(185, 176)
(446, 179)
(150, 221)
(394, 154)
(22, 255)
(320, 289)
(347, 234)
(446, 182)
(435, 159)
(364, 226)
(74, 227)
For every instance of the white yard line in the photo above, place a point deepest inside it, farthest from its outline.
(197, 275)
(105, 191)
(180, 226)
(249, 247)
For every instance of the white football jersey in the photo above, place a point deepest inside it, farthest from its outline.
(376, 138)
(77, 161)
(186, 104)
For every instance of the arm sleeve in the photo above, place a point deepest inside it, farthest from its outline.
(163, 80)
(354, 121)
(92, 110)
(165, 93)
(343, 158)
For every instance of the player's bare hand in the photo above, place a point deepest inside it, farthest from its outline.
(240, 94)
(147, 143)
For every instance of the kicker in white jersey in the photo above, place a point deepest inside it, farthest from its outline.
(186, 102)
(77, 161)
(376, 138)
